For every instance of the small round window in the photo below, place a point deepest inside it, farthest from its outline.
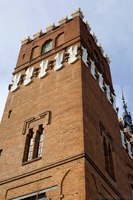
(47, 46)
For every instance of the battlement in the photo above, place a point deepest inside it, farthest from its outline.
(51, 28)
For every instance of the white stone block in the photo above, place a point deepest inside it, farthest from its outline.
(58, 61)
(73, 50)
(28, 78)
(43, 67)
(15, 80)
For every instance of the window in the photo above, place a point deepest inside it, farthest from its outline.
(108, 157)
(34, 144)
(38, 142)
(34, 196)
(47, 46)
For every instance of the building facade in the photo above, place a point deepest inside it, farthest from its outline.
(59, 136)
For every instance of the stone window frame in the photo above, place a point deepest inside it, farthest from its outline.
(34, 137)
(108, 150)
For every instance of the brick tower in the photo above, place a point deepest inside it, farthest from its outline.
(59, 136)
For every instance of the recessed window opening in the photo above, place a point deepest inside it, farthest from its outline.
(1, 151)
(38, 142)
(47, 46)
(34, 144)
(108, 157)
(9, 113)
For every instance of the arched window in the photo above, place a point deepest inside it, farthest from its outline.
(47, 46)
(59, 39)
(35, 52)
(33, 144)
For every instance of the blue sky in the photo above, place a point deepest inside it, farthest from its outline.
(111, 20)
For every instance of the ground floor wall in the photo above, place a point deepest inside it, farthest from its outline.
(65, 181)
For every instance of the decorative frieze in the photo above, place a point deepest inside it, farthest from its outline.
(57, 64)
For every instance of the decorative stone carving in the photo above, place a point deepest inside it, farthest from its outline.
(16, 80)
(58, 61)
(100, 81)
(129, 149)
(108, 93)
(93, 69)
(123, 139)
(85, 56)
(72, 54)
(114, 101)
(43, 68)
(29, 73)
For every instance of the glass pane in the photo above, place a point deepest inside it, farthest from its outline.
(47, 46)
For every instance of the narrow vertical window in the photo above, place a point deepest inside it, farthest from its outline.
(111, 165)
(108, 157)
(28, 146)
(38, 142)
(106, 154)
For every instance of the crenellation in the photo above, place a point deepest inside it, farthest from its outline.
(88, 26)
(108, 59)
(101, 49)
(38, 34)
(78, 13)
(95, 38)
(63, 20)
(26, 40)
(50, 27)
